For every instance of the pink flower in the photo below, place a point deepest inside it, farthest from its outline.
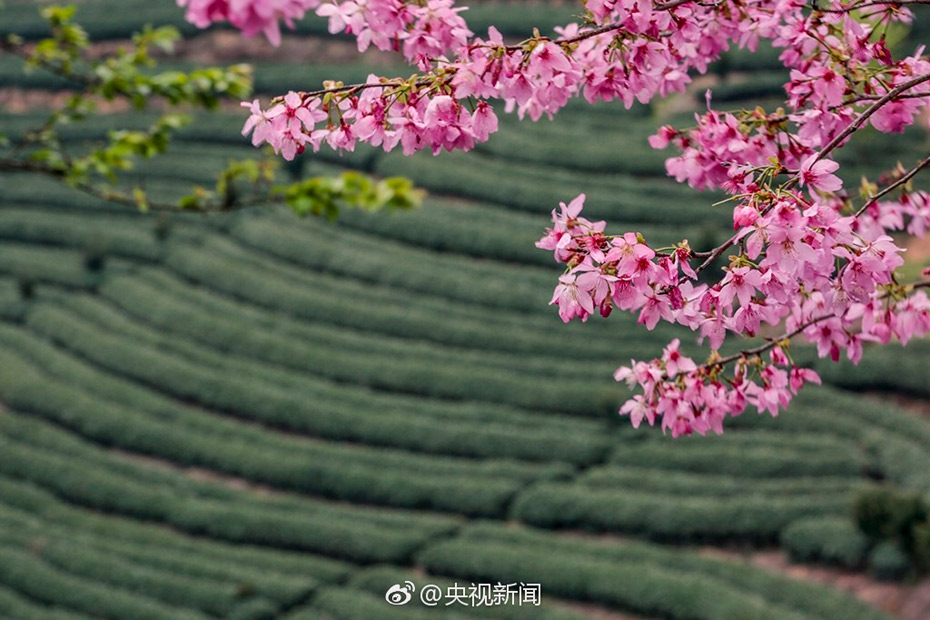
(818, 174)
(573, 301)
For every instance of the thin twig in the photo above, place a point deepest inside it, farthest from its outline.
(904, 179)
(353, 88)
(863, 5)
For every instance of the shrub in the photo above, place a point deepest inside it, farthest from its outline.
(27, 505)
(651, 478)
(756, 518)
(336, 531)
(832, 540)
(288, 404)
(41, 582)
(746, 461)
(14, 605)
(888, 562)
(885, 512)
(787, 595)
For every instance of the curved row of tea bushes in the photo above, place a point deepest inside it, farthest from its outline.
(556, 144)
(129, 237)
(429, 305)
(640, 577)
(210, 597)
(15, 606)
(755, 518)
(277, 568)
(348, 603)
(743, 461)
(902, 460)
(26, 573)
(29, 263)
(888, 368)
(224, 585)
(370, 259)
(539, 189)
(278, 405)
(403, 375)
(831, 540)
(165, 480)
(657, 480)
(474, 490)
(272, 285)
(203, 301)
(66, 368)
(640, 587)
(328, 533)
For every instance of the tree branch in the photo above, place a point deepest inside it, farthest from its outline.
(425, 81)
(872, 109)
(904, 179)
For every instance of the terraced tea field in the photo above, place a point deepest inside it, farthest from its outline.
(253, 416)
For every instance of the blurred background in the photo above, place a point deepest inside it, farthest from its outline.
(251, 415)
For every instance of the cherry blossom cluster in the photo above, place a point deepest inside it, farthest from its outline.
(632, 52)
(421, 30)
(798, 264)
(252, 17)
(687, 398)
(808, 257)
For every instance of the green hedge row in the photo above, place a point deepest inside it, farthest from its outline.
(41, 264)
(17, 607)
(756, 518)
(127, 237)
(183, 591)
(283, 405)
(645, 578)
(23, 571)
(152, 407)
(405, 375)
(239, 582)
(537, 188)
(349, 603)
(339, 603)
(549, 324)
(320, 247)
(890, 368)
(642, 588)
(746, 460)
(364, 343)
(644, 478)
(483, 231)
(832, 540)
(318, 297)
(833, 412)
(276, 568)
(331, 473)
(622, 148)
(342, 532)
(31, 431)
(901, 460)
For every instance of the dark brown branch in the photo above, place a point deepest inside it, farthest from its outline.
(864, 5)
(872, 109)
(904, 179)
